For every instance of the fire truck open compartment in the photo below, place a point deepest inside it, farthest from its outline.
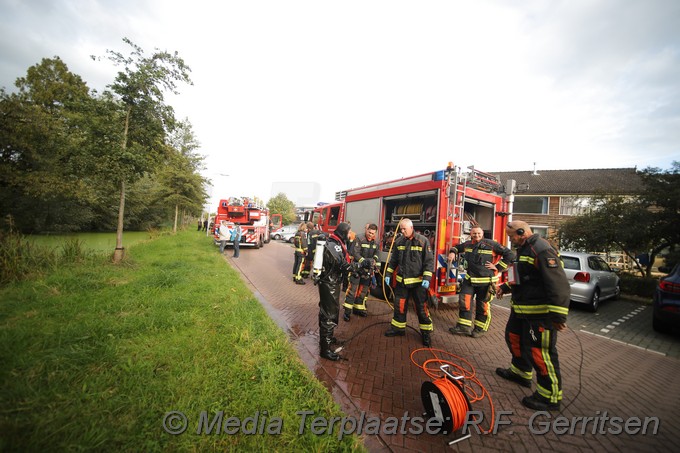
(421, 208)
(480, 213)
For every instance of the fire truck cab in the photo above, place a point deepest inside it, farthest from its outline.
(443, 206)
(327, 216)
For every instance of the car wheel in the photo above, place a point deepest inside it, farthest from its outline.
(617, 292)
(277, 237)
(595, 301)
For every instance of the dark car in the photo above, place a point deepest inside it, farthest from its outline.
(667, 302)
(591, 280)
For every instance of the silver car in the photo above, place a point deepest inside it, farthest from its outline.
(285, 233)
(591, 279)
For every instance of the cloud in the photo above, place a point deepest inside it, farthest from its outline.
(358, 92)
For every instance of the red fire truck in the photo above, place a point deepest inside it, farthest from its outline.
(443, 205)
(253, 218)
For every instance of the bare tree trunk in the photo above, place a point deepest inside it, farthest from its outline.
(120, 251)
(174, 228)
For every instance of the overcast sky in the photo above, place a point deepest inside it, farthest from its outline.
(349, 93)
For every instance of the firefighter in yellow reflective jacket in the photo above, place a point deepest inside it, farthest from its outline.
(478, 256)
(412, 257)
(538, 310)
(300, 243)
(364, 251)
(312, 236)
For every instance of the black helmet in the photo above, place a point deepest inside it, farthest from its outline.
(342, 231)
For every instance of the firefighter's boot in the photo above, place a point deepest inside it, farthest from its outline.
(394, 332)
(348, 313)
(538, 403)
(427, 341)
(461, 330)
(325, 350)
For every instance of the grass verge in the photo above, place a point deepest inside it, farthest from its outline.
(96, 355)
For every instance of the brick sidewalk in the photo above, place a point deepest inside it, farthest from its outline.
(379, 379)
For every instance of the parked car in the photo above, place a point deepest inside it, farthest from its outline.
(666, 301)
(285, 233)
(591, 279)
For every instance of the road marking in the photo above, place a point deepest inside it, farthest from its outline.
(623, 342)
(630, 315)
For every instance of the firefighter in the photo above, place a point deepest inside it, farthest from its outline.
(478, 256)
(364, 248)
(413, 256)
(300, 243)
(538, 310)
(312, 235)
(336, 265)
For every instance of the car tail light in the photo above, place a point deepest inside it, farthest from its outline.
(582, 277)
(669, 287)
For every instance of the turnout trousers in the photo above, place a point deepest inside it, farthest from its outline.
(357, 293)
(533, 345)
(482, 297)
(419, 296)
(329, 310)
(297, 266)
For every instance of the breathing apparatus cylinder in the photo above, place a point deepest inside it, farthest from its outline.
(318, 258)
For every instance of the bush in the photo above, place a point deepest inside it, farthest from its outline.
(638, 286)
(19, 259)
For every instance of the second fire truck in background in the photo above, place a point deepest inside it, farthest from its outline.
(253, 218)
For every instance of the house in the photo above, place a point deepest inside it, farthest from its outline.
(545, 198)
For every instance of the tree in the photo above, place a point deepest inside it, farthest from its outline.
(44, 149)
(280, 204)
(140, 87)
(642, 224)
(182, 186)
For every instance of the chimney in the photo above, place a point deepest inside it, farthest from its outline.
(535, 173)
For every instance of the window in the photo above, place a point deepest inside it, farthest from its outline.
(541, 231)
(603, 265)
(333, 216)
(530, 205)
(571, 263)
(594, 263)
(574, 205)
